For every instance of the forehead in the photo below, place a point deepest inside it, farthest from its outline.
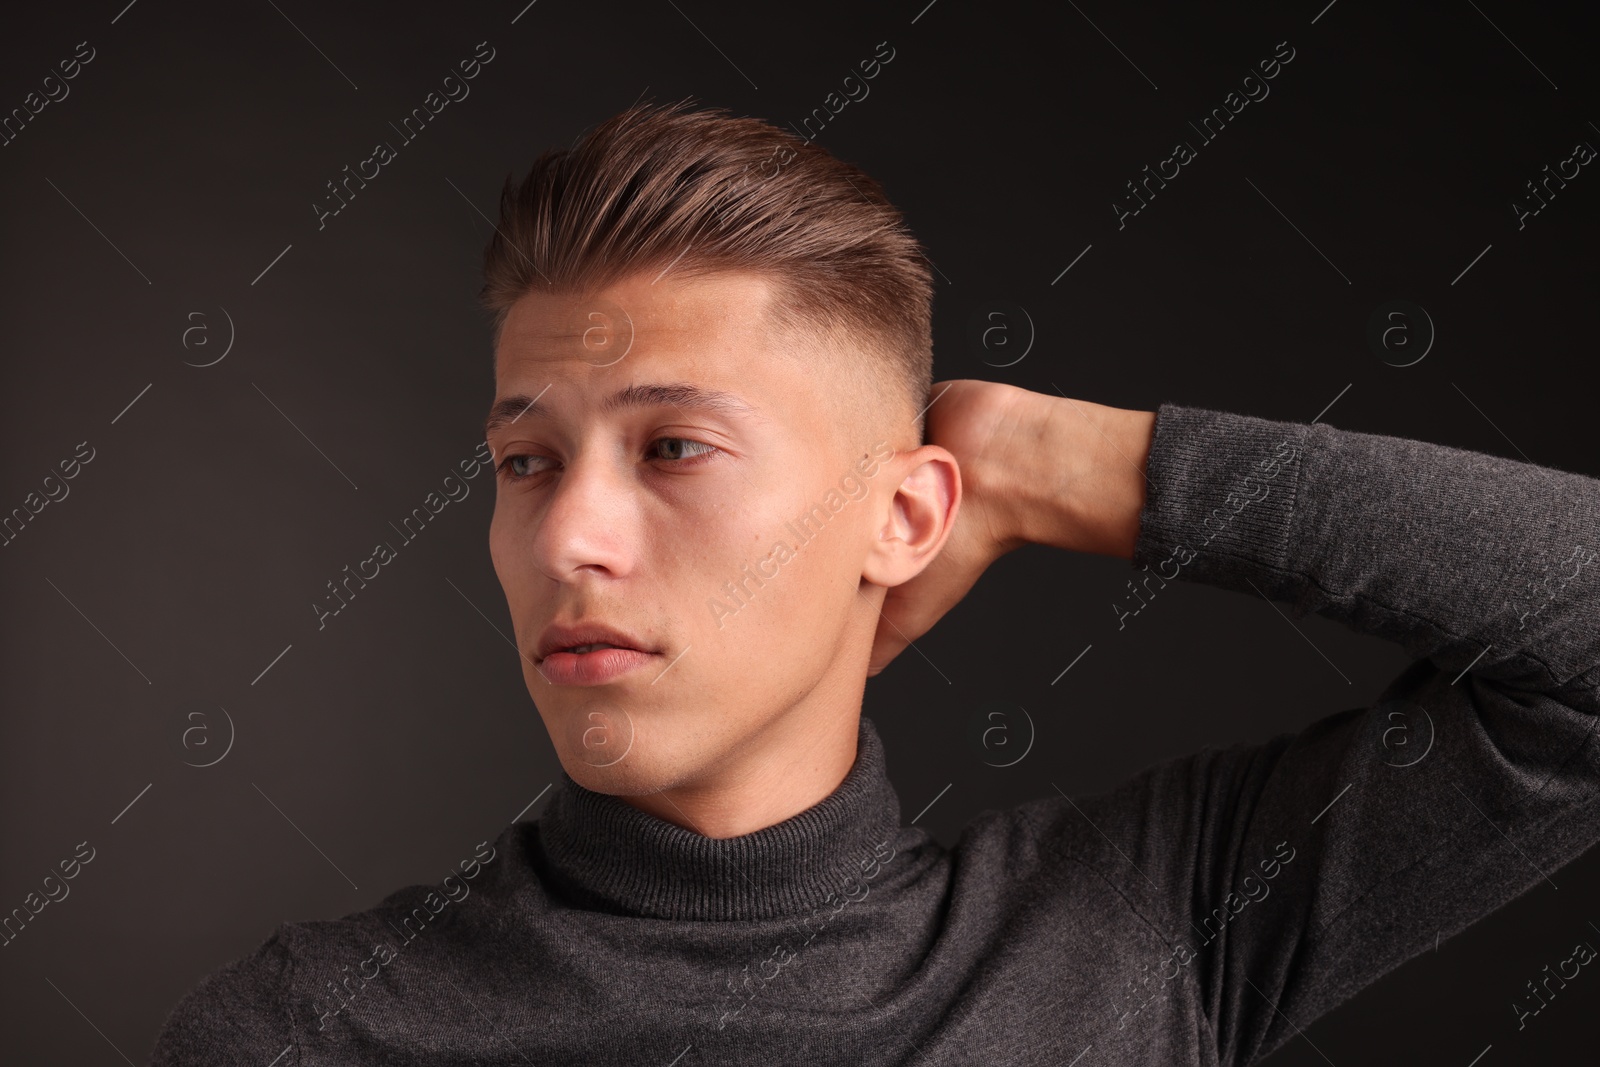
(647, 315)
(604, 350)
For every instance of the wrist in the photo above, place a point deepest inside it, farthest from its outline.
(1084, 485)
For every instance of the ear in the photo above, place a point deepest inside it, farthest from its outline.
(920, 516)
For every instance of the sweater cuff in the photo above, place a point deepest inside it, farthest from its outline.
(1221, 492)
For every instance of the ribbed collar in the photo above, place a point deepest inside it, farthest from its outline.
(615, 856)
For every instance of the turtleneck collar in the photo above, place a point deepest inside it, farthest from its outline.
(604, 850)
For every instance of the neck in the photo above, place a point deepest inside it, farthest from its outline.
(596, 850)
(782, 774)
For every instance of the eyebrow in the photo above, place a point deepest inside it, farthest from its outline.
(509, 409)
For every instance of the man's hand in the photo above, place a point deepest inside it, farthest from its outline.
(1034, 469)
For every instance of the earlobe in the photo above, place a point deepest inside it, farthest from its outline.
(918, 518)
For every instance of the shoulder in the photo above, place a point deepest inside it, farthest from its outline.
(260, 1008)
(238, 1013)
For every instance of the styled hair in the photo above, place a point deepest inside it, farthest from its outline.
(703, 191)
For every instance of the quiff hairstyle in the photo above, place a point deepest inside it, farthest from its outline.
(703, 191)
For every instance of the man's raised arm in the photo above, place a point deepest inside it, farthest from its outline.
(1287, 876)
(1474, 775)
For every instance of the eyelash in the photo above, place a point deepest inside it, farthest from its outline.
(503, 468)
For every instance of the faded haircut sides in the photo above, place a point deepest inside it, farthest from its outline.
(703, 191)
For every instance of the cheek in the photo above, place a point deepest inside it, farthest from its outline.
(499, 544)
(513, 563)
(703, 556)
(752, 601)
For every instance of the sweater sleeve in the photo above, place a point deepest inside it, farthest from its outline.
(238, 1014)
(1289, 875)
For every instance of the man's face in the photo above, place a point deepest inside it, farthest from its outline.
(658, 513)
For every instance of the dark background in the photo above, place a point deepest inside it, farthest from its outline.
(377, 752)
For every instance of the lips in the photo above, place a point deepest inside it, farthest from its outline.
(586, 638)
(602, 667)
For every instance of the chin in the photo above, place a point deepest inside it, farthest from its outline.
(600, 751)
(604, 780)
(606, 749)
(641, 770)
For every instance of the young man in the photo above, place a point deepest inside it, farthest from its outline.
(719, 510)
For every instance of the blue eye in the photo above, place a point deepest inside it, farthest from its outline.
(514, 467)
(675, 448)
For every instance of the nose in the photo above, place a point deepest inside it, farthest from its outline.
(588, 523)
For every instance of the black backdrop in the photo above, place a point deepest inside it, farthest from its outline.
(162, 209)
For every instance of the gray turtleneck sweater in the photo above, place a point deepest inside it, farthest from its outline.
(1198, 914)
